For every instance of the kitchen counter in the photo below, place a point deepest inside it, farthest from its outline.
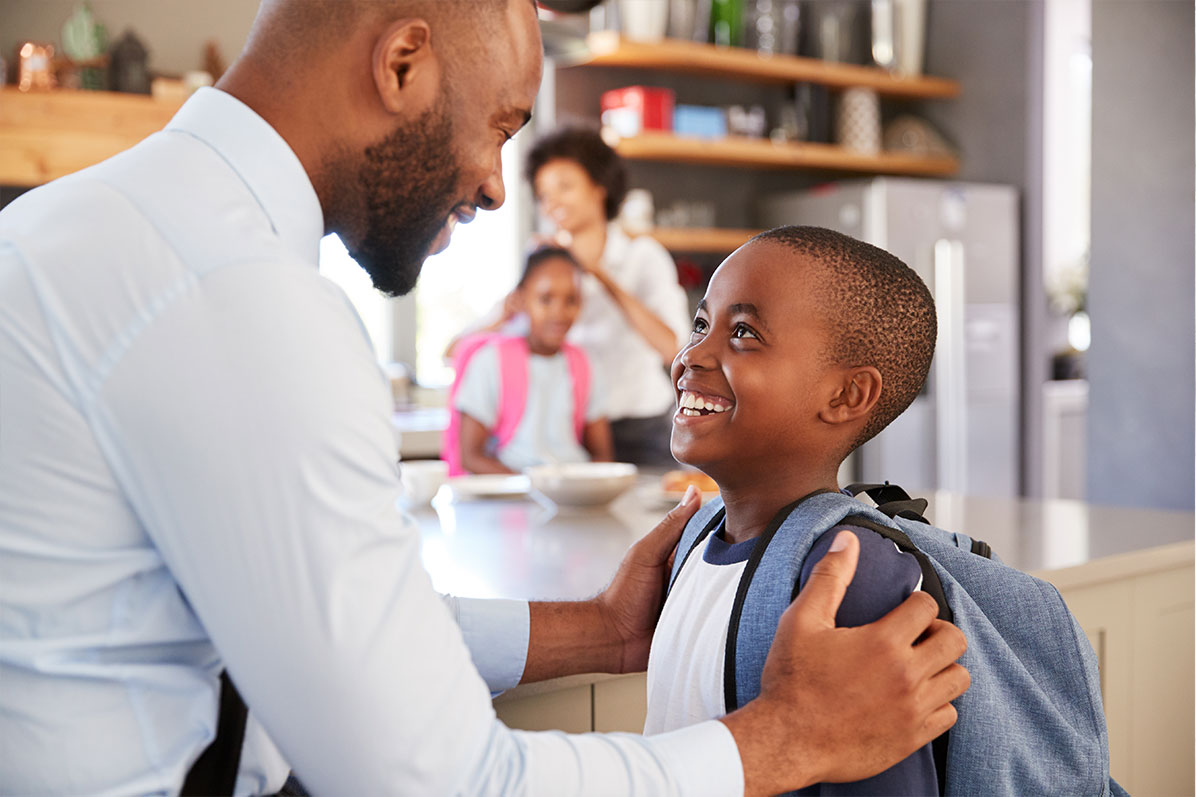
(517, 548)
(1126, 574)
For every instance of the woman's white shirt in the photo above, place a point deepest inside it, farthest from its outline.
(634, 379)
(636, 382)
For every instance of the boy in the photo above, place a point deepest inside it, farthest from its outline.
(806, 345)
(559, 416)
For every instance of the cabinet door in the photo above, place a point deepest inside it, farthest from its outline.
(1161, 737)
(621, 704)
(568, 710)
(1142, 629)
(1104, 612)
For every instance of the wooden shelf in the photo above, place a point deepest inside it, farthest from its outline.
(701, 239)
(763, 154)
(45, 135)
(674, 55)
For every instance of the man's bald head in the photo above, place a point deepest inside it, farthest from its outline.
(294, 34)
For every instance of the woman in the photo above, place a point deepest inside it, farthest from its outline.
(634, 314)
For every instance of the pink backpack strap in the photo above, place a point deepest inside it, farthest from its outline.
(579, 370)
(513, 356)
(450, 444)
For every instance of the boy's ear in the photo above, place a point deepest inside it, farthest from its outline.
(406, 69)
(855, 398)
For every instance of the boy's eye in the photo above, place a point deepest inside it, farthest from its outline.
(743, 331)
(700, 326)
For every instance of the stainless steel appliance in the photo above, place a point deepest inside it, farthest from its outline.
(961, 433)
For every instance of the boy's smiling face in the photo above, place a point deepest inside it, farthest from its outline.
(756, 362)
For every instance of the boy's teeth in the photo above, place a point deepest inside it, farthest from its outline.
(690, 401)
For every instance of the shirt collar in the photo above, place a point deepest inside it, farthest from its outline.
(263, 160)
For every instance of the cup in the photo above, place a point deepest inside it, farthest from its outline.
(644, 20)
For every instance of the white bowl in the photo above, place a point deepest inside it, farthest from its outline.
(582, 483)
(422, 479)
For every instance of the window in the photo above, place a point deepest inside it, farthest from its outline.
(462, 284)
(456, 288)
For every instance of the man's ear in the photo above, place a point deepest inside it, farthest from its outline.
(855, 397)
(406, 68)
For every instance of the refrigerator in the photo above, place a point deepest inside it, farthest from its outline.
(962, 432)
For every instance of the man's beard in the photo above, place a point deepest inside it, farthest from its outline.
(407, 181)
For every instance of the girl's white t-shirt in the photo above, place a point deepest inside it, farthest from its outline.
(546, 432)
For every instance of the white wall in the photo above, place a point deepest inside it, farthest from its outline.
(1142, 364)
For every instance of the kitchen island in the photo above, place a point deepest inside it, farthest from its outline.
(1127, 575)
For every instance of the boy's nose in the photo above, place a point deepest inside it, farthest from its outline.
(698, 355)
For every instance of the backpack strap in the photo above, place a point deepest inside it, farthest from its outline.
(704, 521)
(513, 355)
(892, 500)
(933, 586)
(931, 583)
(579, 370)
(450, 445)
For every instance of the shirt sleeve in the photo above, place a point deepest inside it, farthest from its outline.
(884, 577)
(496, 631)
(266, 476)
(656, 284)
(477, 393)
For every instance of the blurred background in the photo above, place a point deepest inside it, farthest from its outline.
(1032, 159)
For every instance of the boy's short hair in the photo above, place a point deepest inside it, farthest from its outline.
(541, 254)
(879, 313)
(586, 148)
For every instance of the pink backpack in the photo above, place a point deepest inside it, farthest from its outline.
(513, 356)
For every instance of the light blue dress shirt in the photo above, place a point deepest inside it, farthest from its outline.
(197, 472)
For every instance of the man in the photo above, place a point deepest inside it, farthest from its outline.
(197, 473)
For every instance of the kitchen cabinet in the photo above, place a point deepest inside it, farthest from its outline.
(1137, 610)
(578, 704)
(685, 58)
(45, 135)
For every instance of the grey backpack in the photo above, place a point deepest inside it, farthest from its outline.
(1032, 721)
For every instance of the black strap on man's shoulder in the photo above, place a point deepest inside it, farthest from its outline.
(215, 771)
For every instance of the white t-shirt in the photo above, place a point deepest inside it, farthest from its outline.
(685, 665)
(635, 381)
(545, 433)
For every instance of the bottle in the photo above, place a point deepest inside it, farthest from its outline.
(726, 23)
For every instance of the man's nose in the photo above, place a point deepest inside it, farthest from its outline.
(492, 193)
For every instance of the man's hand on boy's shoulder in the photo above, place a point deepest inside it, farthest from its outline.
(842, 704)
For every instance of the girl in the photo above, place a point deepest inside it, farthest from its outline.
(527, 400)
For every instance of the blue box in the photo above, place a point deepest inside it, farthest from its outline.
(699, 121)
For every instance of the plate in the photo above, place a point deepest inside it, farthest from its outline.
(489, 485)
(667, 499)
